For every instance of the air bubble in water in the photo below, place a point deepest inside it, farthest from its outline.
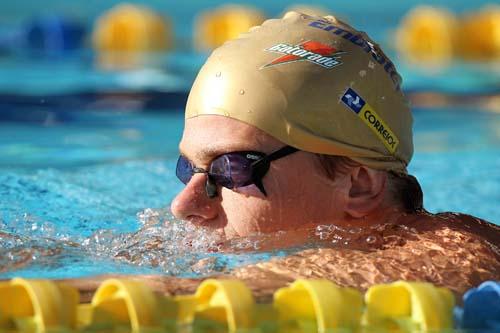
(148, 217)
(356, 230)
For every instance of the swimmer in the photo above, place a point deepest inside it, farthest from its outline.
(300, 126)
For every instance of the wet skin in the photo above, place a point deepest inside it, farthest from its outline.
(452, 250)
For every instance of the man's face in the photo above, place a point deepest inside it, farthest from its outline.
(298, 193)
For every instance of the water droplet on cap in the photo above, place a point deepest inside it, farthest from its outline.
(242, 92)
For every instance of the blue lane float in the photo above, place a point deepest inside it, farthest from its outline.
(54, 34)
(481, 310)
(45, 35)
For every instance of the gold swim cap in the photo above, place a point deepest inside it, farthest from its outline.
(314, 83)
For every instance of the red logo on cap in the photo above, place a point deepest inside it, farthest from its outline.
(315, 52)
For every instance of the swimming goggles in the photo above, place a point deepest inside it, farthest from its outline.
(232, 170)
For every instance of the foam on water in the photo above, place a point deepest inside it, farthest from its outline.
(162, 242)
(161, 245)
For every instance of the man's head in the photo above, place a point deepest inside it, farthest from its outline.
(312, 83)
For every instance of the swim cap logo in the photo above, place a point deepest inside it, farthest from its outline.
(368, 115)
(365, 44)
(315, 52)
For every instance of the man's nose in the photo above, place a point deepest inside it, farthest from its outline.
(193, 200)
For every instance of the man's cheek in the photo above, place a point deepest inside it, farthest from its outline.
(249, 191)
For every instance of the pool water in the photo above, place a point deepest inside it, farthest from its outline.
(457, 160)
(75, 191)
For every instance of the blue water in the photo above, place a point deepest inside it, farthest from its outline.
(96, 172)
(457, 160)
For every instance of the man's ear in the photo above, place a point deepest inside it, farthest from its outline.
(367, 191)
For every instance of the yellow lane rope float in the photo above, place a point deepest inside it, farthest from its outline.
(227, 305)
(37, 305)
(127, 35)
(409, 306)
(433, 35)
(427, 34)
(214, 27)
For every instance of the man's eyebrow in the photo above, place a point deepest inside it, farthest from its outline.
(208, 153)
(205, 153)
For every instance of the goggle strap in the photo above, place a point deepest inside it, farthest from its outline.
(266, 160)
(260, 186)
(287, 150)
(261, 166)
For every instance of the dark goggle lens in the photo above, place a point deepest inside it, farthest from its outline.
(232, 170)
(229, 170)
(184, 170)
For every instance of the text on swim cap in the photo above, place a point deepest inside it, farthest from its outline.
(366, 45)
(358, 105)
(315, 52)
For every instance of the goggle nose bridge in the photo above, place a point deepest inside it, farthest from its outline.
(199, 170)
(210, 186)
